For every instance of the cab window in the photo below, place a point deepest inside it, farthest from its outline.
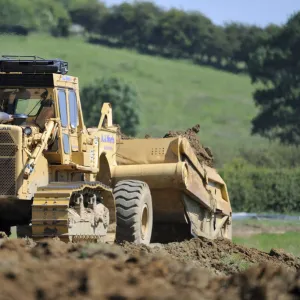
(26, 101)
(63, 108)
(73, 111)
(66, 143)
(28, 107)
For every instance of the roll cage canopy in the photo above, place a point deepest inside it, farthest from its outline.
(32, 65)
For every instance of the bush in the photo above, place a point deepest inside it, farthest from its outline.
(14, 29)
(123, 98)
(254, 189)
(272, 156)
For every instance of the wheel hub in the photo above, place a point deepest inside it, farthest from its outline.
(144, 221)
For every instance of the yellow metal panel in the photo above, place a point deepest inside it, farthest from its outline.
(224, 206)
(156, 175)
(147, 151)
(196, 187)
(49, 214)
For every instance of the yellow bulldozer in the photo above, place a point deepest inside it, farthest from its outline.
(61, 179)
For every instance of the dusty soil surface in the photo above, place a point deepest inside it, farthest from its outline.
(203, 154)
(196, 269)
(221, 257)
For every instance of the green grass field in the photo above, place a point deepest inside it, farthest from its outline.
(266, 234)
(173, 94)
(289, 241)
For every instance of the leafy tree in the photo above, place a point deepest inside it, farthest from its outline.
(272, 29)
(87, 13)
(140, 25)
(217, 45)
(272, 155)
(198, 32)
(182, 33)
(51, 16)
(234, 32)
(15, 15)
(146, 16)
(276, 66)
(61, 28)
(119, 23)
(252, 37)
(31, 15)
(169, 35)
(123, 98)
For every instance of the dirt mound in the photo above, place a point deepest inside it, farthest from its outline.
(261, 282)
(55, 270)
(203, 154)
(220, 256)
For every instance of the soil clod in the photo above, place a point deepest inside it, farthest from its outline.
(204, 154)
(195, 269)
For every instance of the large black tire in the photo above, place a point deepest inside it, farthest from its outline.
(134, 212)
(5, 229)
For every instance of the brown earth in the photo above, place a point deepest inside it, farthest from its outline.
(190, 270)
(221, 256)
(203, 154)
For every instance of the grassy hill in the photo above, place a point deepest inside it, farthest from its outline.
(173, 94)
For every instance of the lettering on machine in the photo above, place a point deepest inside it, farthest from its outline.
(107, 139)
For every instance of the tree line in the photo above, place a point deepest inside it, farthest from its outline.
(25, 16)
(143, 26)
(270, 55)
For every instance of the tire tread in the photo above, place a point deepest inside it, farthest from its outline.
(127, 198)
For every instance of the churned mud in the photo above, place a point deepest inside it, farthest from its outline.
(220, 257)
(196, 269)
(203, 154)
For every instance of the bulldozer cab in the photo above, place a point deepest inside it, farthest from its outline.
(67, 109)
(27, 105)
(34, 91)
(55, 174)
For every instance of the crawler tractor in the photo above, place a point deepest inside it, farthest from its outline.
(61, 179)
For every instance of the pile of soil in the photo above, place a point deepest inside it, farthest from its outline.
(203, 154)
(221, 256)
(52, 269)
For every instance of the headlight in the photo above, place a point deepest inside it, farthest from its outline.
(28, 131)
